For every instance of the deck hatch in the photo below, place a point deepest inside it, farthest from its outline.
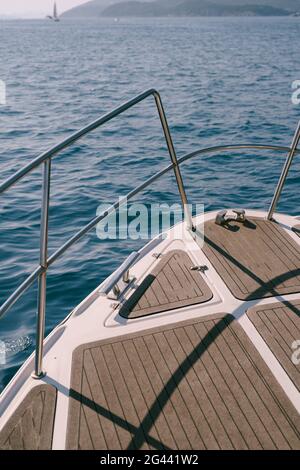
(255, 260)
(279, 325)
(172, 284)
(31, 425)
(198, 384)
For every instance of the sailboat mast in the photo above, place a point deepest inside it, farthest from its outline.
(54, 17)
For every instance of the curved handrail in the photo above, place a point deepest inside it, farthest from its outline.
(73, 138)
(60, 251)
(221, 148)
(285, 172)
(147, 183)
(45, 158)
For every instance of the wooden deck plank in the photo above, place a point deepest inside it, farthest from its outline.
(210, 425)
(90, 391)
(222, 399)
(167, 369)
(244, 415)
(31, 425)
(172, 284)
(109, 400)
(162, 405)
(192, 385)
(270, 321)
(161, 430)
(133, 388)
(261, 409)
(255, 260)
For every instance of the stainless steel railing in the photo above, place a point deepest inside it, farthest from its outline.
(45, 159)
(285, 172)
(110, 286)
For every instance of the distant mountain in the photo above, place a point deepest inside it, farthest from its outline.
(199, 8)
(88, 10)
(189, 8)
(97, 8)
(136, 8)
(291, 5)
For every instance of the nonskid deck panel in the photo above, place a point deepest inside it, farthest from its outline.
(198, 384)
(255, 260)
(172, 284)
(279, 325)
(31, 425)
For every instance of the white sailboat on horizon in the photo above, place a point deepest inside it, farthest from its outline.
(55, 16)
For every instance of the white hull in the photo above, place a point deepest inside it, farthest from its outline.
(95, 319)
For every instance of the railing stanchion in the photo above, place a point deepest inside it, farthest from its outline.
(173, 157)
(42, 283)
(285, 172)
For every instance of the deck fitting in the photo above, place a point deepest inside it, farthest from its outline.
(39, 376)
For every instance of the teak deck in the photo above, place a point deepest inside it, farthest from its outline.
(172, 284)
(199, 384)
(31, 426)
(279, 325)
(255, 260)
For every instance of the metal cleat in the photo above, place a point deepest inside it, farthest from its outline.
(221, 217)
(240, 214)
(201, 269)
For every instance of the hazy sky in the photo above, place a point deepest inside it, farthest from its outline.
(35, 7)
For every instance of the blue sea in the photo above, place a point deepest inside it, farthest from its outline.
(222, 81)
